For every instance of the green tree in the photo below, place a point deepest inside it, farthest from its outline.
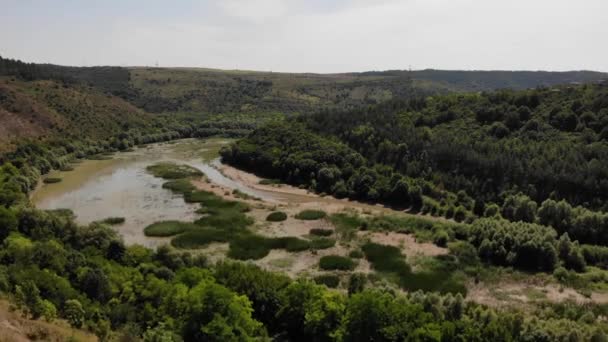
(74, 313)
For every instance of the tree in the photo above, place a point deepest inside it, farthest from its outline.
(519, 208)
(74, 313)
(160, 333)
(8, 222)
(95, 284)
(356, 283)
(309, 312)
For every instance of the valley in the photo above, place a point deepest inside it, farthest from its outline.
(183, 204)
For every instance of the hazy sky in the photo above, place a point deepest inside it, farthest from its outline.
(310, 35)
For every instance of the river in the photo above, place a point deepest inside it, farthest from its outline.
(121, 187)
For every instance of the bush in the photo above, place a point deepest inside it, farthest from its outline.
(114, 220)
(329, 280)
(311, 215)
(441, 238)
(321, 232)
(336, 262)
(385, 258)
(356, 254)
(276, 216)
(199, 238)
(250, 247)
(292, 244)
(322, 243)
(168, 228)
(51, 180)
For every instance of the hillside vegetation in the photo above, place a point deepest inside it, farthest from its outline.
(198, 90)
(536, 158)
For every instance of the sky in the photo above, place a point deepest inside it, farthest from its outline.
(324, 36)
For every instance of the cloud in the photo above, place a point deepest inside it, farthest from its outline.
(319, 35)
(255, 10)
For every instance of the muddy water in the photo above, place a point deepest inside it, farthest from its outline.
(121, 187)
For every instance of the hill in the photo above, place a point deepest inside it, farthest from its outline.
(199, 90)
(38, 109)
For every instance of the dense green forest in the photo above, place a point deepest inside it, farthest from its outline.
(535, 157)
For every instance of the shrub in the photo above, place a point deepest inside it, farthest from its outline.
(291, 244)
(385, 258)
(329, 280)
(66, 168)
(114, 220)
(356, 254)
(250, 247)
(199, 238)
(51, 180)
(336, 262)
(441, 238)
(356, 283)
(311, 215)
(276, 216)
(322, 243)
(168, 228)
(321, 232)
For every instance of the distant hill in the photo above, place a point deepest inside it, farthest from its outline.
(199, 90)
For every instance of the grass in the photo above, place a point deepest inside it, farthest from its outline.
(168, 228)
(336, 262)
(385, 258)
(276, 216)
(173, 171)
(311, 215)
(180, 186)
(113, 220)
(66, 168)
(347, 224)
(437, 276)
(321, 232)
(329, 280)
(200, 237)
(250, 246)
(51, 180)
(322, 243)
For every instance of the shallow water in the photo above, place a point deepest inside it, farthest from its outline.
(121, 187)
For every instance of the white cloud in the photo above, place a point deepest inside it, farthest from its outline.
(323, 36)
(255, 10)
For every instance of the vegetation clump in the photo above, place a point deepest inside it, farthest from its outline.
(168, 228)
(322, 243)
(311, 215)
(173, 171)
(51, 180)
(276, 216)
(113, 220)
(321, 232)
(336, 262)
(329, 280)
